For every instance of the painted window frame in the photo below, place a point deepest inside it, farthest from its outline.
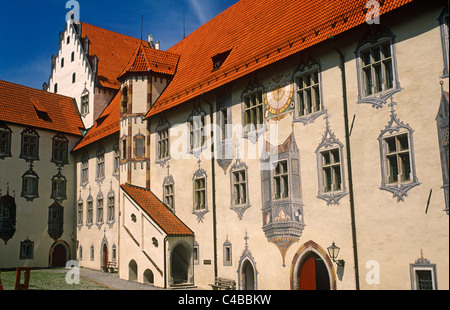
(26, 249)
(250, 130)
(169, 197)
(60, 150)
(422, 264)
(379, 98)
(26, 145)
(59, 187)
(162, 128)
(239, 208)
(30, 191)
(300, 72)
(200, 174)
(84, 169)
(5, 141)
(227, 253)
(80, 212)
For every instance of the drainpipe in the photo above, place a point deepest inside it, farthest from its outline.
(349, 161)
(213, 161)
(165, 261)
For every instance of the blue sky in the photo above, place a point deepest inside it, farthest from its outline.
(29, 28)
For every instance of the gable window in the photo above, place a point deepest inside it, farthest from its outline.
(308, 93)
(5, 141)
(163, 143)
(124, 100)
(169, 196)
(281, 180)
(253, 111)
(30, 185)
(59, 188)
(60, 150)
(62, 62)
(74, 77)
(55, 88)
(72, 56)
(30, 145)
(331, 171)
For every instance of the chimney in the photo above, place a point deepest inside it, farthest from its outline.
(157, 45)
(150, 41)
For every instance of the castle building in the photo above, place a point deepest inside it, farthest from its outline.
(280, 145)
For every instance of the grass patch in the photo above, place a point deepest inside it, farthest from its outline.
(49, 279)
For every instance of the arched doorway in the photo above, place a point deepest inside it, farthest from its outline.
(248, 276)
(59, 256)
(105, 255)
(313, 273)
(132, 270)
(148, 276)
(179, 263)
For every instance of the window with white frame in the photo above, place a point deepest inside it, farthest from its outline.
(281, 180)
(253, 111)
(331, 170)
(240, 187)
(196, 135)
(308, 93)
(85, 104)
(100, 167)
(30, 185)
(85, 171)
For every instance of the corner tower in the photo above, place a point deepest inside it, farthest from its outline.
(145, 77)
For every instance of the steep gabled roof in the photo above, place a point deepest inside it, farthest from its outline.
(106, 125)
(253, 34)
(37, 108)
(146, 59)
(157, 211)
(113, 51)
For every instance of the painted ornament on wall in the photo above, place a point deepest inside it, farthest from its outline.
(279, 99)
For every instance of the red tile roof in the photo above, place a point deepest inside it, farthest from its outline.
(113, 51)
(158, 212)
(40, 109)
(146, 59)
(258, 33)
(106, 125)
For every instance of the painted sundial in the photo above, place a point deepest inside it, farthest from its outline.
(279, 97)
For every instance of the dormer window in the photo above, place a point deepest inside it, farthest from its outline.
(219, 59)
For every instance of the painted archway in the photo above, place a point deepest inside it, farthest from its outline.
(312, 269)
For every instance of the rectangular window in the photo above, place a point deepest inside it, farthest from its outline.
(377, 68)
(30, 145)
(58, 188)
(163, 144)
(239, 187)
(116, 162)
(200, 194)
(308, 93)
(169, 196)
(253, 111)
(197, 138)
(5, 142)
(99, 210)
(111, 209)
(60, 150)
(124, 149)
(331, 171)
(225, 133)
(90, 213)
(100, 167)
(139, 144)
(281, 180)
(30, 184)
(85, 104)
(80, 214)
(85, 172)
(26, 249)
(397, 157)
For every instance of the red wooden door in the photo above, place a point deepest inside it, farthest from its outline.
(307, 277)
(105, 256)
(59, 256)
